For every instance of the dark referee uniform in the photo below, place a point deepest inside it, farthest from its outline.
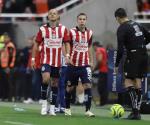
(132, 38)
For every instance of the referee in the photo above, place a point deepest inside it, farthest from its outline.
(132, 38)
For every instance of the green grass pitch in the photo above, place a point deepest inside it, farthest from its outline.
(31, 116)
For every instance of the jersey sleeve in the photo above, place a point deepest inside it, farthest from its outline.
(66, 37)
(146, 35)
(71, 37)
(90, 41)
(91, 37)
(39, 37)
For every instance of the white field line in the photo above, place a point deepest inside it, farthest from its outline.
(17, 123)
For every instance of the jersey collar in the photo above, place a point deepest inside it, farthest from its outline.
(48, 24)
(79, 29)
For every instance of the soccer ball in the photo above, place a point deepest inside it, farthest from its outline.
(117, 110)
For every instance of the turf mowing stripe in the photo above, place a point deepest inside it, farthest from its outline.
(17, 123)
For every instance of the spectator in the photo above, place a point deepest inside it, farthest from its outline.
(31, 4)
(29, 11)
(20, 73)
(13, 6)
(23, 77)
(139, 5)
(36, 75)
(145, 6)
(7, 61)
(1, 5)
(41, 6)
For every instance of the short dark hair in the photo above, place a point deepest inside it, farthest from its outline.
(97, 43)
(81, 14)
(120, 12)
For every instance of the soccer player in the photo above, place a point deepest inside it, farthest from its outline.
(80, 63)
(61, 87)
(132, 37)
(51, 35)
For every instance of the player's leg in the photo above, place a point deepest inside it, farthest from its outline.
(102, 88)
(54, 89)
(62, 88)
(68, 91)
(53, 95)
(86, 77)
(138, 89)
(129, 85)
(132, 65)
(45, 78)
(142, 72)
(71, 80)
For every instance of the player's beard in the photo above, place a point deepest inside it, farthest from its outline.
(82, 27)
(56, 22)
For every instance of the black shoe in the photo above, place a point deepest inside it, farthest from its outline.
(133, 116)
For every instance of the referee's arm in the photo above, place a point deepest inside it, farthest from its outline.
(146, 35)
(120, 48)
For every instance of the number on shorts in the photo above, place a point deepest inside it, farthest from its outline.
(89, 73)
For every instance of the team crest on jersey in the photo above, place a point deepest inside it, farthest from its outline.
(83, 39)
(53, 36)
(43, 68)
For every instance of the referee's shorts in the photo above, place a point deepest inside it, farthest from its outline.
(136, 64)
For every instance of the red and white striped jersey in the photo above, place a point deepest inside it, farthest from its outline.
(52, 39)
(81, 41)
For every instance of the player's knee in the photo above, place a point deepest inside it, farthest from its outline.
(56, 80)
(46, 80)
(69, 88)
(54, 84)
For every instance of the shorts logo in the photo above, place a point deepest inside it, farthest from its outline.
(89, 73)
(43, 68)
(125, 73)
(85, 98)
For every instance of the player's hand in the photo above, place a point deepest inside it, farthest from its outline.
(67, 59)
(92, 66)
(33, 63)
(11, 65)
(115, 71)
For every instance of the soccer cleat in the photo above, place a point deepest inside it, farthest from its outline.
(68, 112)
(89, 114)
(133, 116)
(52, 110)
(44, 107)
(62, 110)
(52, 113)
(57, 110)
